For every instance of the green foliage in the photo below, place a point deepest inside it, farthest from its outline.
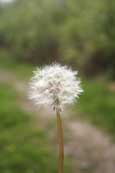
(70, 31)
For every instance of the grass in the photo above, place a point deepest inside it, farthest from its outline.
(97, 105)
(8, 63)
(23, 148)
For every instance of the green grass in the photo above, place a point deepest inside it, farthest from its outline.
(23, 148)
(97, 105)
(9, 63)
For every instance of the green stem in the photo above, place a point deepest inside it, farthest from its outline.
(60, 142)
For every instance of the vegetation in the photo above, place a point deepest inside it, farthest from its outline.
(77, 32)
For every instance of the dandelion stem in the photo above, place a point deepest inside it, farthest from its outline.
(60, 142)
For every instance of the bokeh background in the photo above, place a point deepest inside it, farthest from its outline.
(80, 34)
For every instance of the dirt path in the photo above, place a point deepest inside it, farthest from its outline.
(92, 151)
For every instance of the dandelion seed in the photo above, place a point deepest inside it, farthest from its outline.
(56, 86)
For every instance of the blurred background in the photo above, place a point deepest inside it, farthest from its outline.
(80, 34)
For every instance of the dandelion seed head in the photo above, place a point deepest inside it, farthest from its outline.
(54, 85)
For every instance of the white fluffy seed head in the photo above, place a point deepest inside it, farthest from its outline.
(54, 85)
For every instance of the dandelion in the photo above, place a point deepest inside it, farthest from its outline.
(56, 86)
